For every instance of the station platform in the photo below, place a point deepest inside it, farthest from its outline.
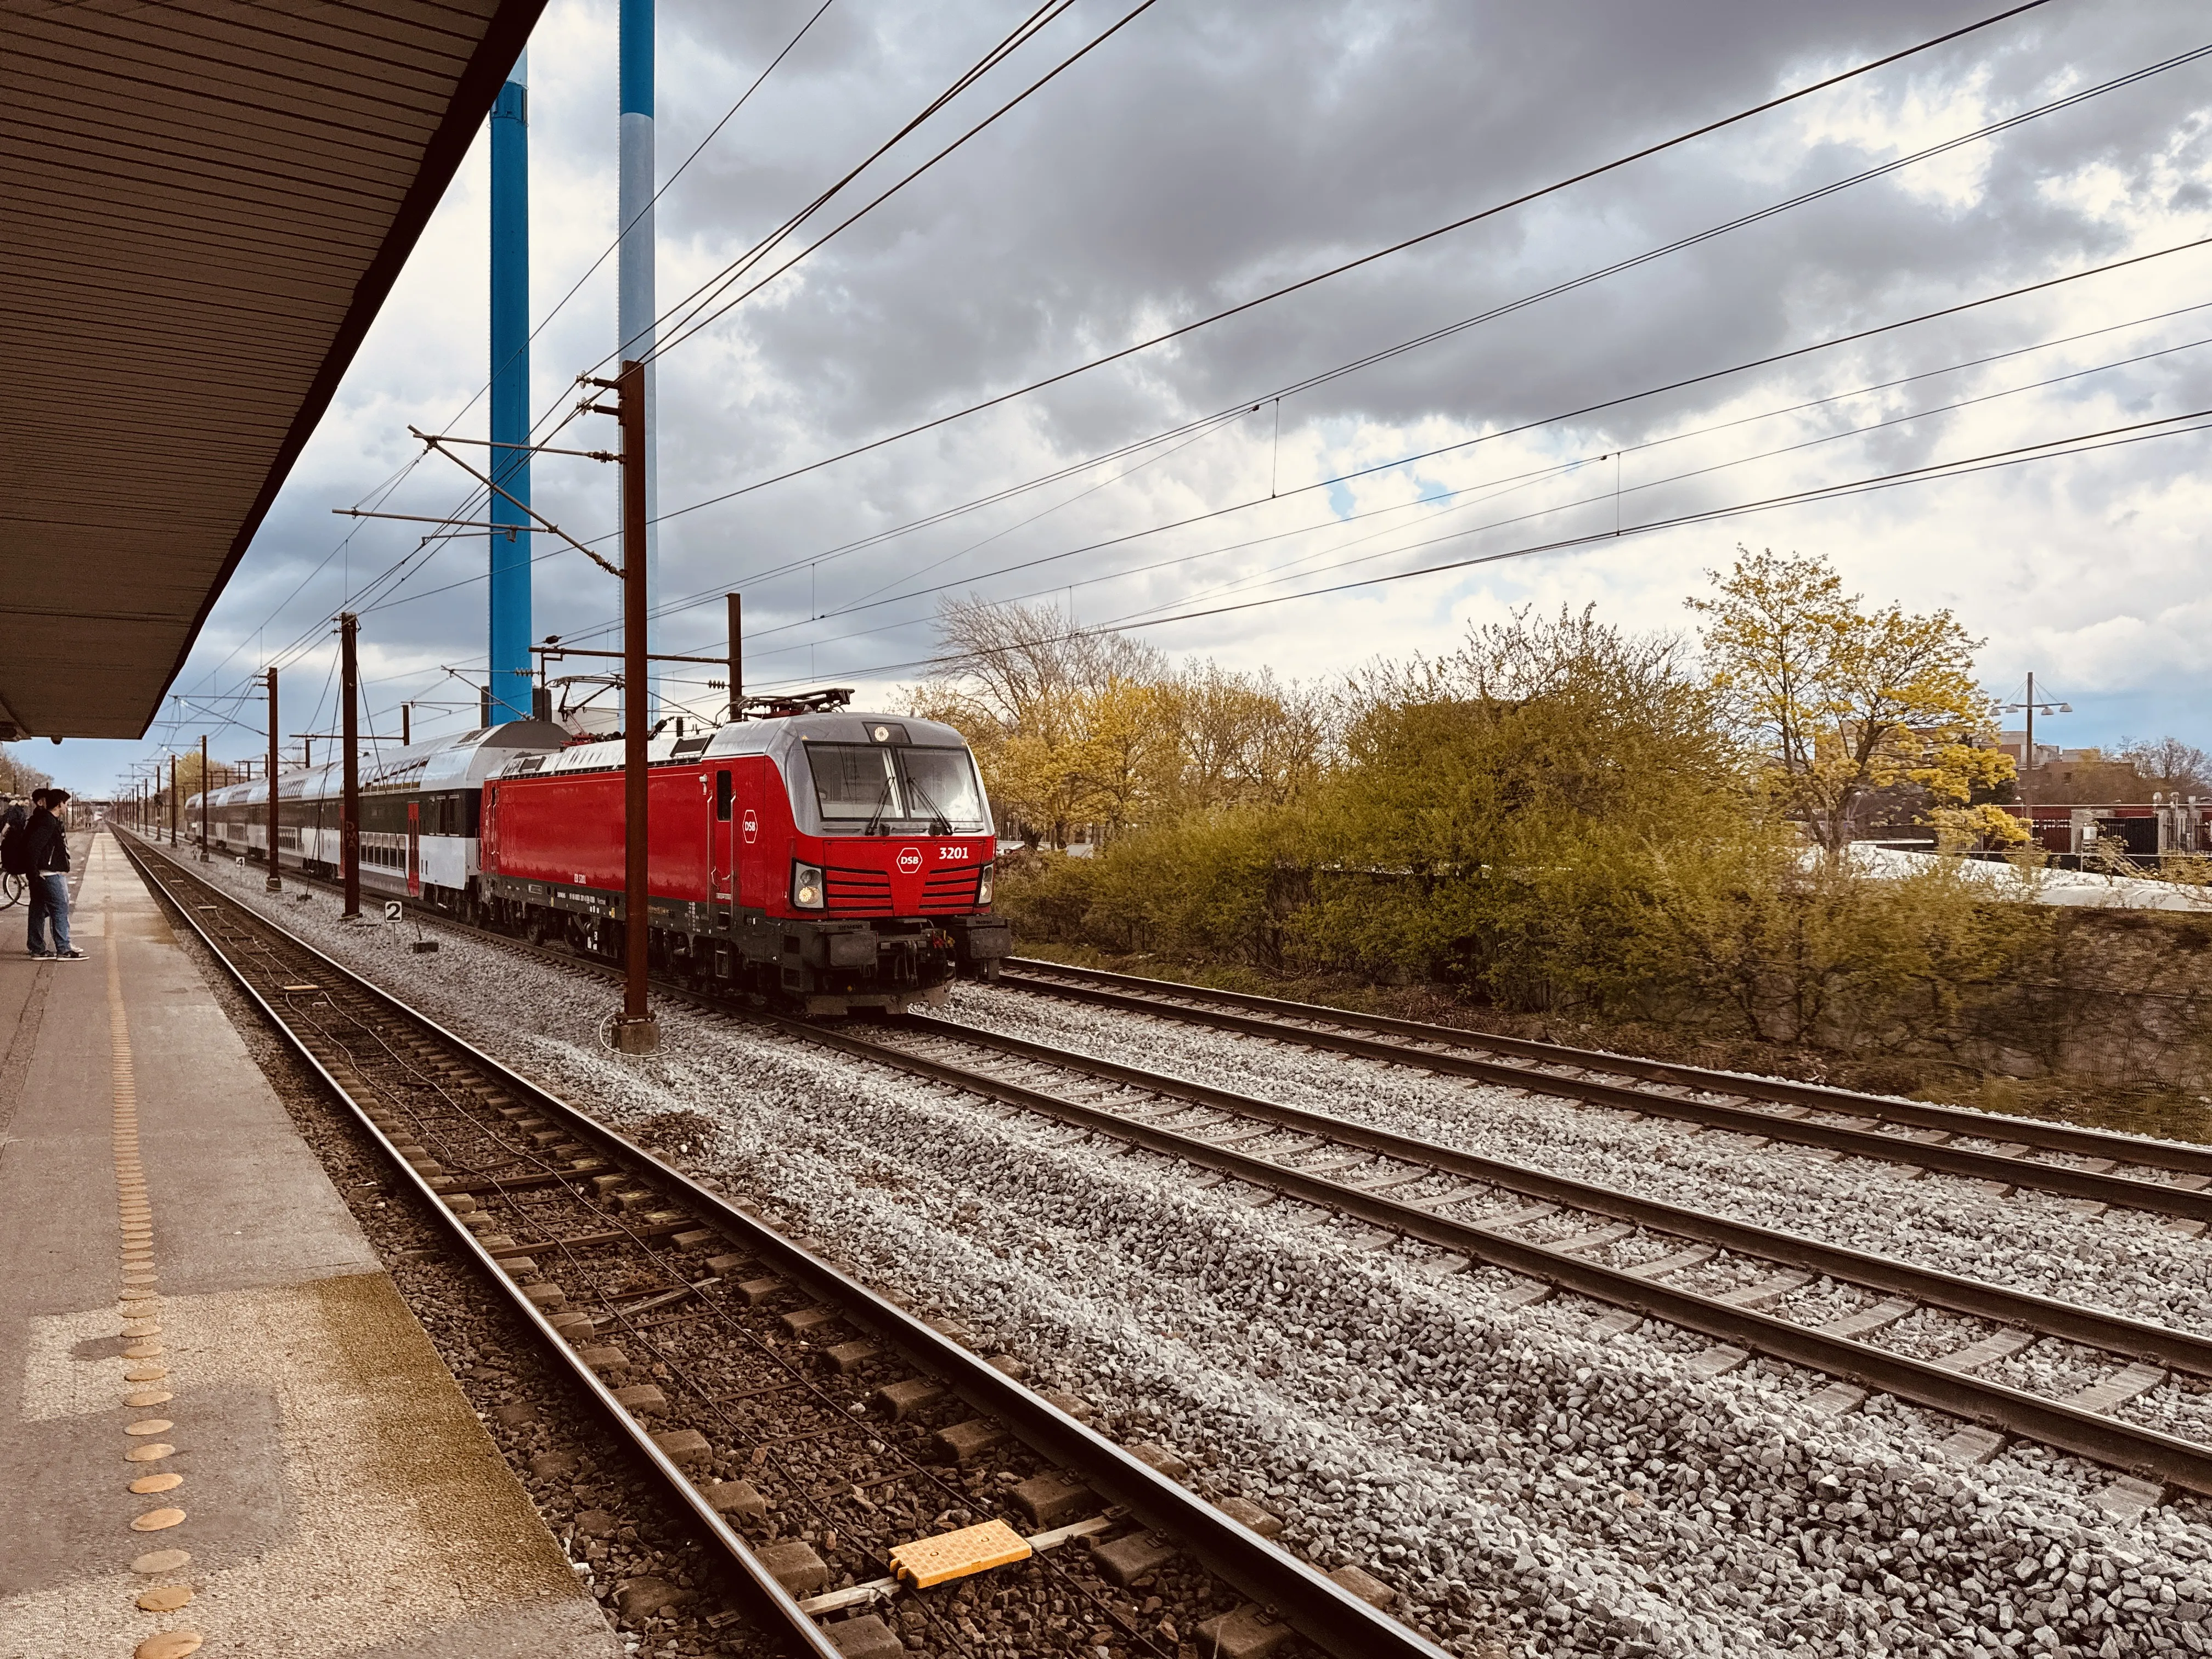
(221, 1429)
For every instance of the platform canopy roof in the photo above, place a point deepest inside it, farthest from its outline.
(202, 205)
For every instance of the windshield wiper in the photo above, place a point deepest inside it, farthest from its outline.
(938, 824)
(882, 800)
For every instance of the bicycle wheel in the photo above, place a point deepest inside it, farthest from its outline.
(11, 891)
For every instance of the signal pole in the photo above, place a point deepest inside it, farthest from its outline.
(736, 652)
(204, 798)
(636, 1032)
(349, 741)
(274, 882)
(406, 725)
(172, 800)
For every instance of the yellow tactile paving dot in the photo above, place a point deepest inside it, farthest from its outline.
(137, 1277)
(169, 1645)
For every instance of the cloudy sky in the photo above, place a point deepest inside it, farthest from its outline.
(1208, 153)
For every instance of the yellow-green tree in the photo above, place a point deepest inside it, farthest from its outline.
(1840, 702)
(1074, 729)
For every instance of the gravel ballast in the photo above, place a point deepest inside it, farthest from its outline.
(1519, 1482)
(2125, 1261)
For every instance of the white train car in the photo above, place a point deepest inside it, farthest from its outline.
(420, 813)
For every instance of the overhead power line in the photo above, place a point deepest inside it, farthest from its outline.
(701, 318)
(1706, 235)
(1492, 488)
(2051, 449)
(1400, 246)
(1704, 377)
(377, 497)
(1045, 15)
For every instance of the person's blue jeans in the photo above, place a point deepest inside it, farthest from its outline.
(48, 898)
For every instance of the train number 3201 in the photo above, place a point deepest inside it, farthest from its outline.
(952, 852)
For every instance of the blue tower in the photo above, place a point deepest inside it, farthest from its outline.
(634, 304)
(510, 680)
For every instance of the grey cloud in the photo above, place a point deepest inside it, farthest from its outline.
(1213, 150)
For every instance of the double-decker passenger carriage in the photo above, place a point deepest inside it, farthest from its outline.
(826, 861)
(420, 807)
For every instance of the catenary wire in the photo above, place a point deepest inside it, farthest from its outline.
(701, 318)
(676, 606)
(376, 497)
(1494, 488)
(1767, 361)
(2051, 449)
(1400, 246)
(1708, 234)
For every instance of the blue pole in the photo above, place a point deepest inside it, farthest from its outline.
(634, 304)
(510, 396)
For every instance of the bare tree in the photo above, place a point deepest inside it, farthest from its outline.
(2168, 763)
(17, 778)
(1018, 661)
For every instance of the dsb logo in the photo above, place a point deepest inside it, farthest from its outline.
(910, 859)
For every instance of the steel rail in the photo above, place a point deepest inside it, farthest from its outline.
(1818, 1096)
(2134, 1338)
(1321, 1611)
(2129, 1192)
(767, 1596)
(2110, 1441)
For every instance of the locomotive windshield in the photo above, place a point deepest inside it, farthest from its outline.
(889, 789)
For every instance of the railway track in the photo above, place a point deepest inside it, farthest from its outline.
(2092, 1166)
(1646, 1259)
(840, 1452)
(1708, 1273)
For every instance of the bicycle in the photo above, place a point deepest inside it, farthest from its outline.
(11, 891)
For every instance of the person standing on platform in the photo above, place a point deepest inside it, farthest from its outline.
(13, 824)
(47, 863)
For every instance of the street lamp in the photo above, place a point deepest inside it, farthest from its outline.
(2028, 748)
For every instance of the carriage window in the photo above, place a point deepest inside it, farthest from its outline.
(722, 792)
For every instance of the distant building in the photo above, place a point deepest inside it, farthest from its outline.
(2015, 744)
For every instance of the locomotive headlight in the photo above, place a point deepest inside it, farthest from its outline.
(983, 885)
(806, 887)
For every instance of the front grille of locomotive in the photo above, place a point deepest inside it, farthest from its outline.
(857, 892)
(868, 892)
(944, 890)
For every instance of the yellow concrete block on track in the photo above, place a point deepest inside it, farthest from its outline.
(927, 1561)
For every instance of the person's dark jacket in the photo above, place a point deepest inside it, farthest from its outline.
(45, 844)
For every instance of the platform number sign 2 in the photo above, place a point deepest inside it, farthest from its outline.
(391, 909)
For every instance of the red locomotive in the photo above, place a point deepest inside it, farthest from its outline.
(826, 861)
